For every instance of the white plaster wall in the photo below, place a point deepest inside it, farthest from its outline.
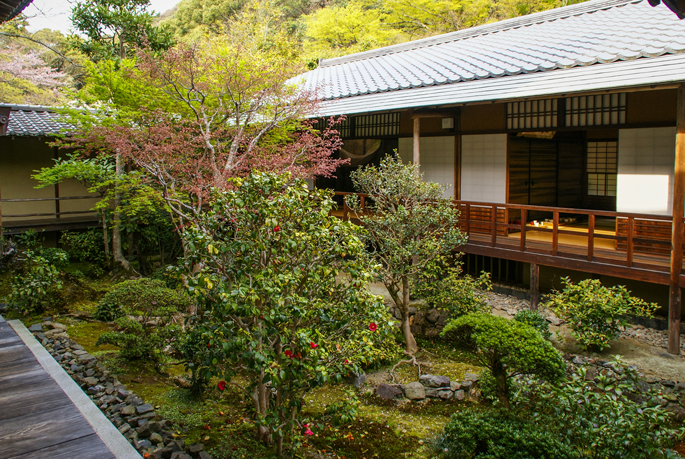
(484, 168)
(645, 170)
(437, 159)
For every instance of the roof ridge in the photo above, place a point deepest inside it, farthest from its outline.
(26, 107)
(521, 21)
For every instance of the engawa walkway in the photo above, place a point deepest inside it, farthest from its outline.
(43, 413)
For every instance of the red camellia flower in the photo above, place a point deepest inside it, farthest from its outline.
(373, 327)
(289, 354)
(313, 345)
(346, 361)
(222, 385)
(277, 229)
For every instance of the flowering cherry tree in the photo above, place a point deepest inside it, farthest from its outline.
(282, 299)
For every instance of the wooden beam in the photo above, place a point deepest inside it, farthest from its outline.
(534, 285)
(416, 159)
(674, 309)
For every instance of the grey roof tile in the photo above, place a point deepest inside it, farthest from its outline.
(586, 34)
(34, 120)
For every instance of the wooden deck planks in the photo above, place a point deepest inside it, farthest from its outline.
(37, 419)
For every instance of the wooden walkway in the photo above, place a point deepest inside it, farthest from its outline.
(37, 418)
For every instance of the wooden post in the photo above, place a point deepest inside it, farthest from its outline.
(677, 234)
(416, 159)
(534, 285)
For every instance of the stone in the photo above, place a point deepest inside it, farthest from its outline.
(180, 455)
(415, 391)
(36, 328)
(196, 448)
(357, 380)
(144, 431)
(79, 352)
(466, 384)
(85, 358)
(91, 381)
(445, 394)
(94, 390)
(454, 386)
(432, 392)
(144, 408)
(434, 380)
(124, 428)
(677, 410)
(460, 395)
(57, 326)
(204, 455)
(471, 377)
(156, 438)
(144, 444)
(128, 410)
(154, 426)
(433, 316)
(388, 392)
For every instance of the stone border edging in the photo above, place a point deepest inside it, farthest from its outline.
(109, 434)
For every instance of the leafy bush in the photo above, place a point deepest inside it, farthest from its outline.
(499, 435)
(454, 293)
(596, 313)
(535, 320)
(507, 348)
(134, 296)
(146, 334)
(86, 246)
(36, 280)
(343, 411)
(599, 418)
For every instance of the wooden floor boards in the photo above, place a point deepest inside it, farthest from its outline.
(37, 419)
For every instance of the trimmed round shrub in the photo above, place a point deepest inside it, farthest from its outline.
(497, 434)
(133, 296)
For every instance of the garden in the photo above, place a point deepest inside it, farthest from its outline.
(257, 335)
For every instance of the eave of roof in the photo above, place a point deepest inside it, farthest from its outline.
(9, 9)
(34, 120)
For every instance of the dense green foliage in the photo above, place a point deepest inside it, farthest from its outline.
(507, 349)
(495, 434)
(610, 415)
(36, 279)
(535, 320)
(84, 246)
(135, 297)
(283, 302)
(409, 227)
(596, 313)
(149, 329)
(444, 287)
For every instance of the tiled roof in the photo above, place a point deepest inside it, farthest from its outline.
(34, 120)
(589, 34)
(11, 8)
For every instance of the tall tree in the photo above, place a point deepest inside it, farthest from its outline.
(114, 29)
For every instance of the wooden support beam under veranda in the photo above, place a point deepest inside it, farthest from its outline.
(674, 309)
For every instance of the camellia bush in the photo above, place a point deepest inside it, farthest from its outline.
(507, 348)
(596, 313)
(282, 299)
(409, 225)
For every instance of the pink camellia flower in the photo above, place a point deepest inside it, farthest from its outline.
(222, 385)
(373, 327)
(277, 229)
(289, 354)
(313, 345)
(308, 432)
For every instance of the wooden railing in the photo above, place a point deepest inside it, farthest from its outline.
(339, 197)
(640, 241)
(57, 213)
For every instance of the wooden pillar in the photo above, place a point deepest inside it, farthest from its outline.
(416, 159)
(674, 309)
(534, 285)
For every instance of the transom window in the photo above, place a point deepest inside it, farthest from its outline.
(532, 114)
(602, 160)
(599, 110)
(367, 126)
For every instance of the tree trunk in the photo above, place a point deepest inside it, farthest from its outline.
(117, 252)
(105, 237)
(410, 343)
(502, 389)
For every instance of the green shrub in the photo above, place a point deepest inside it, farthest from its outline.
(535, 320)
(35, 281)
(147, 333)
(507, 348)
(134, 296)
(596, 313)
(86, 246)
(451, 292)
(496, 434)
(599, 418)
